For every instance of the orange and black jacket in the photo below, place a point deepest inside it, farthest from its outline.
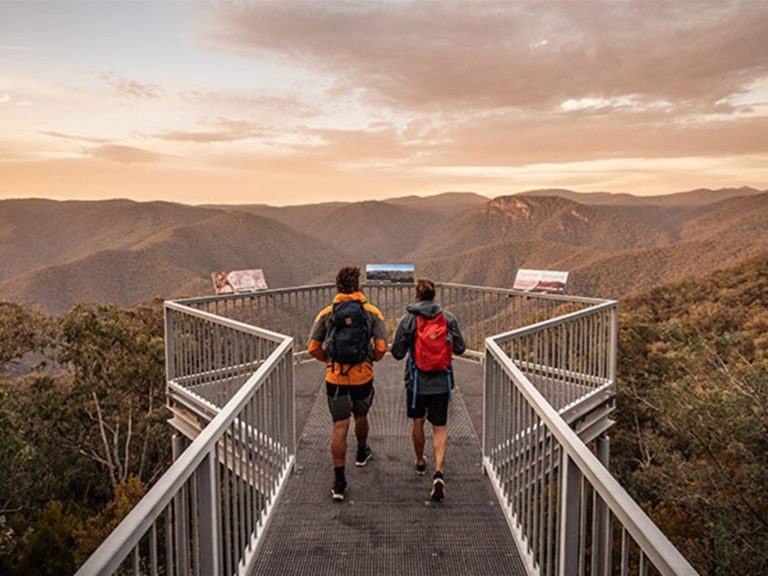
(319, 343)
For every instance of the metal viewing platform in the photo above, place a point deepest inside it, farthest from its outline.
(528, 490)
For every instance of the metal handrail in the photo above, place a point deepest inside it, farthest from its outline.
(487, 289)
(228, 322)
(652, 541)
(558, 321)
(512, 292)
(243, 295)
(542, 436)
(125, 538)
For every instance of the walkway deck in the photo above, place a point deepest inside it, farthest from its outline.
(388, 524)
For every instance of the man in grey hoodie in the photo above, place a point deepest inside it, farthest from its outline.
(428, 391)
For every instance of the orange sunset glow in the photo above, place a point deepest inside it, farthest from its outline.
(290, 103)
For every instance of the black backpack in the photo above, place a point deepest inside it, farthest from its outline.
(349, 337)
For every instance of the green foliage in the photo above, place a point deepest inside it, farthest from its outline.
(96, 528)
(47, 544)
(691, 442)
(78, 446)
(21, 331)
(117, 360)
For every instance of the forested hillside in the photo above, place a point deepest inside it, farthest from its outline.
(81, 435)
(54, 254)
(691, 442)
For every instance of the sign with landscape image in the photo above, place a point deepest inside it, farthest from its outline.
(550, 281)
(390, 273)
(238, 281)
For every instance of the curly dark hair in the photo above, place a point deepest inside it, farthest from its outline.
(425, 289)
(348, 279)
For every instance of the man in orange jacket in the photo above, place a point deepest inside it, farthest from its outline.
(349, 336)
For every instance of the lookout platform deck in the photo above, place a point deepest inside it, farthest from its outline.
(387, 523)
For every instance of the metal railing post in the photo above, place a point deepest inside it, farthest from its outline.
(209, 516)
(570, 492)
(292, 411)
(181, 532)
(601, 520)
(487, 398)
(613, 342)
(170, 372)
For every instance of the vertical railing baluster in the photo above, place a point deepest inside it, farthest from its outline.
(208, 507)
(169, 539)
(642, 569)
(601, 528)
(194, 513)
(624, 552)
(227, 505)
(570, 488)
(135, 561)
(153, 549)
(248, 481)
(583, 506)
(237, 533)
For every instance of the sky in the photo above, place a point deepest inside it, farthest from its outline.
(293, 103)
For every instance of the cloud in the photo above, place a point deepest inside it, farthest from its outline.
(491, 84)
(128, 88)
(227, 130)
(123, 154)
(448, 56)
(16, 48)
(290, 103)
(64, 136)
(5, 98)
(513, 140)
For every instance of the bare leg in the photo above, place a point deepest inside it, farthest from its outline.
(361, 430)
(339, 442)
(441, 445)
(417, 434)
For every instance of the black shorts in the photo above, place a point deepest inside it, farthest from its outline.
(433, 406)
(343, 401)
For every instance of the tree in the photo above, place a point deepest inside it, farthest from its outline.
(118, 389)
(691, 440)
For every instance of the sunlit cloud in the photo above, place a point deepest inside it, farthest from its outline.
(16, 48)
(294, 102)
(227, 130)
(74, 137)
(513, 55)
(128, 88)
(123, 154)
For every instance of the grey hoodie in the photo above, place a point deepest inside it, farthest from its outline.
(429, 382)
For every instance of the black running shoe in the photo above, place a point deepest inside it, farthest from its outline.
(438, 487)
(337, 491)
(421, 469)
(363, 456)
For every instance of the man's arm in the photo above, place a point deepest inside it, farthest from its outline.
(402, 340)
(458, 339)
(317, 335)
(378, 333)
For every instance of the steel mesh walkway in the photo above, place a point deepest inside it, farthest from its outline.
(388, 524)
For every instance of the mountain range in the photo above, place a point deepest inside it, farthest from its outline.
(53, 253)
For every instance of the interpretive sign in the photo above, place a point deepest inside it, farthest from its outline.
(237, 281)
(390, 273)
(550, 281)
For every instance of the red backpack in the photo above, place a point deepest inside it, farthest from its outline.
(432, 351)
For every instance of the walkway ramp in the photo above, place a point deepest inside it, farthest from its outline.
(242, 498)
(387, 523)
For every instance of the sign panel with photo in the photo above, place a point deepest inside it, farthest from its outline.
(390, 273)
(550, 281)
(237, 281)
